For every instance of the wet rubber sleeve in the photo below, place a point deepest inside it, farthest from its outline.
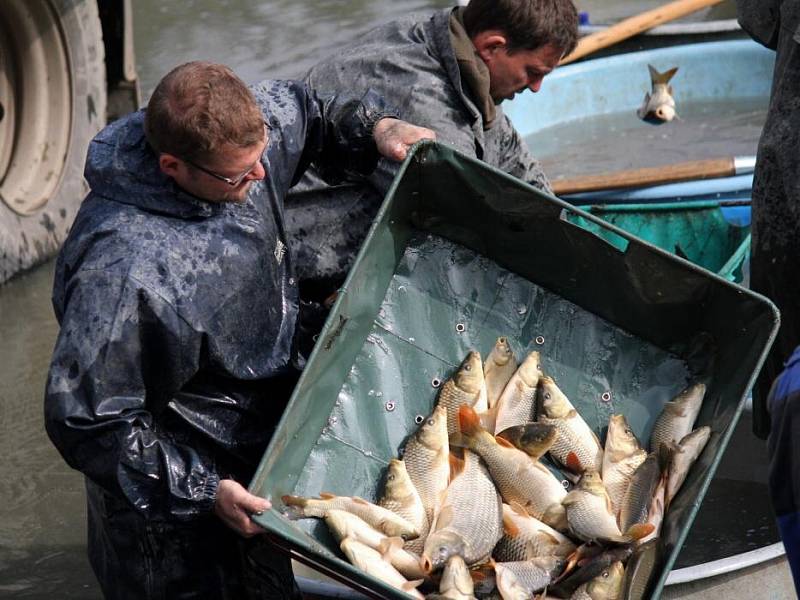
(339, 140)
(516, 159)
(113, 373)
(761, 19)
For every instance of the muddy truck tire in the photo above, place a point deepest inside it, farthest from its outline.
(52, 102)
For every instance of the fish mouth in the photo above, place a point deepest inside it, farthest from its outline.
(653, 119)
(426, 564)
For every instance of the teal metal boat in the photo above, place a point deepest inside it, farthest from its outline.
(584, 121)
(715, 23)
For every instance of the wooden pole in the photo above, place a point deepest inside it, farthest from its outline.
(697, 169)
(634, 25)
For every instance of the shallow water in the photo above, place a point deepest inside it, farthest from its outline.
(258, 39)
(618, 141)
(42, 514)
(604, 12)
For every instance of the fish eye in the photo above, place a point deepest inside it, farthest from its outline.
(390, 477)
(431, 422)
(628, 432)
(442, 550)
(547, 395)
(468, 367)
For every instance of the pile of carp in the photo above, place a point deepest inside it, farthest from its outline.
(472, 511)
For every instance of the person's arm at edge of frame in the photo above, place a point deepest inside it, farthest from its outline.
(761, 19)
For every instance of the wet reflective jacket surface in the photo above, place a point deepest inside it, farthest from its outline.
(411, 63)
(176, 350)
(775, 262)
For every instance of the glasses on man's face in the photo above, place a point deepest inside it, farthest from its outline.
(232, 181)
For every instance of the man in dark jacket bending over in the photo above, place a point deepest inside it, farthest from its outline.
(775, 262)
(178, 303)
(448, 71)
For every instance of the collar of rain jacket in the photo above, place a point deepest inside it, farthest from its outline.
(121, 166)
(473, 70)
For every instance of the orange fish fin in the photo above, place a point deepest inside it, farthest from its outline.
(468, 421)
(504, 442)
(456, 466)
(549, 538)
(509, 527)
(358, 500)
(478, 576)
(293, 501)
(481, 573)
(639, 531)
(574, 463)
(571, 562)
(326, 495)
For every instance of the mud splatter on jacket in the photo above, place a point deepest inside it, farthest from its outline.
(410, 62)
(178, 315)
(775, 261)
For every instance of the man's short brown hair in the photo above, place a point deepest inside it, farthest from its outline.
(528, 24)
(199, 107)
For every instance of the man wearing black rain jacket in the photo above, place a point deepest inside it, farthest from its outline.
(450, 71)
(178, 307)
(775, 261)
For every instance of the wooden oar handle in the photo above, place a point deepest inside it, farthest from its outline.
(634, 25)
(698, 169)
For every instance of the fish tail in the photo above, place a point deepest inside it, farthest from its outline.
(457, 460)
(389, 546)
(664, 77)
(468, 421)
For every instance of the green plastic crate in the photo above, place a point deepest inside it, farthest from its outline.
(461, 253)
